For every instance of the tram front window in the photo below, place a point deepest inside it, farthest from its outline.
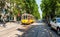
(24, 17)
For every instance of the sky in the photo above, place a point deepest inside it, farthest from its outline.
(39, 9)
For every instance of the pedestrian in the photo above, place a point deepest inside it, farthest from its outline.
(18, 17)
(4, 20)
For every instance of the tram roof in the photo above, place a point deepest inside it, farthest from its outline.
(27, 14)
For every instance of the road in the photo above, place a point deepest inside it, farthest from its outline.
(40, 30)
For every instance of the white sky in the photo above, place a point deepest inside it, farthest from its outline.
(39, 9)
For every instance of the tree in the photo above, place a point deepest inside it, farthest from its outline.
(32, 8)
(48, 7)
(57, 13)
(28, 6)
(2, 3)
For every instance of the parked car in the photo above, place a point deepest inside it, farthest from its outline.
(55, 24)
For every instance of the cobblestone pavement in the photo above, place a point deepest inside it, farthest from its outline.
(11, 29)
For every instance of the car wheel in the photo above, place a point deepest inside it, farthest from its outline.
(58, 31)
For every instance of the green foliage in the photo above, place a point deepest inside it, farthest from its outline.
(2, 4)
(28, 6)
(48, 7)
(57, 13)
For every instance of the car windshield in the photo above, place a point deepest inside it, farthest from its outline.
(58, 20)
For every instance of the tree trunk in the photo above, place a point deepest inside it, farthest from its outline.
(14, 18)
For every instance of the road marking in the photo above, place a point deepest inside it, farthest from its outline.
(43, 32)
(38, 24)
(45, 29)
(33, 31)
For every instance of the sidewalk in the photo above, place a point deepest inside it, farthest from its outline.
(11, 29)
(8, 25)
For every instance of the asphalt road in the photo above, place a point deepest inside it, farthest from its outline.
(40, 31)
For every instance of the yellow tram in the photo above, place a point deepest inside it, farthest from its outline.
(27, 19)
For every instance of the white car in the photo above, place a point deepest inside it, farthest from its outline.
(55, 24)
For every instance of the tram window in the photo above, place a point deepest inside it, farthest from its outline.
(24, 17)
